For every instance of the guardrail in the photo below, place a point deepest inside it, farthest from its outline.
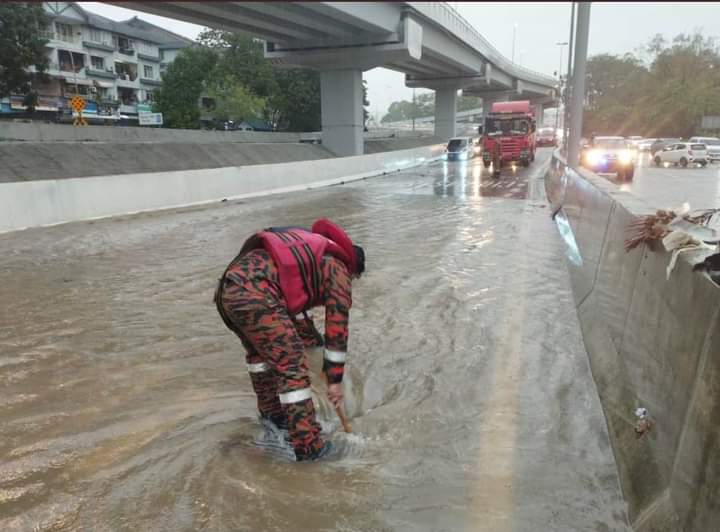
(443, 14)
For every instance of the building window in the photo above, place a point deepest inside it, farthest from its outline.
(71, 61)
(126, 71)
(98, 63)
(96, 35)
(146, 48)
(148, 72)
(125, 45)
(127, 96)
(149, 96)
(64, 32)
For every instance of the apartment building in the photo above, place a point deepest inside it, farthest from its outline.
(114, 65)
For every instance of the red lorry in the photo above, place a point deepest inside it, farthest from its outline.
(509, 135)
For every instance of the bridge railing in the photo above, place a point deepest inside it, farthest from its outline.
(453, 21)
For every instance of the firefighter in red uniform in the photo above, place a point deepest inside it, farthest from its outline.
(263, 296)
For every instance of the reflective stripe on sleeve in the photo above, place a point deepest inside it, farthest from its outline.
(335, 356)
(258, 367)
(295, 396)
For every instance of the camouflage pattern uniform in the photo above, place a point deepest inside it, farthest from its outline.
(252, 305)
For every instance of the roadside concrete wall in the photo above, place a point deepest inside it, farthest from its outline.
(54, 201)
(42, 132)
(31, 161)
(652, 343)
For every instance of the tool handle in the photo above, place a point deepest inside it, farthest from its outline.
(347, 427)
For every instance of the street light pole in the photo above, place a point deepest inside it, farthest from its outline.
(513, 46)
(560, 87)
(414, 111)
(568, 85)
(578, 90)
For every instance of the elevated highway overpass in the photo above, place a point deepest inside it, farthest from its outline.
(429, 42)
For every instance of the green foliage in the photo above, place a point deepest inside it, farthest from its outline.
(234, 102)
(666, 93)
(20, 47)
(233, 71)
(241, 58)
(183, 83)
(295, 106)
(425, 106)
(365, 103)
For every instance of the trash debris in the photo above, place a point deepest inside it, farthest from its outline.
(657, 226)
(648, 228)
(643, 424)
(679, 241)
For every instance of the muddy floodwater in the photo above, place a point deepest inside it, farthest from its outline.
(125, 404)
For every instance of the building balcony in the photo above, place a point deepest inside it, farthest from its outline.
(126, 51)
(125, 81)
(153, 58)
(100, 73)
(99, 46)
(148, 81)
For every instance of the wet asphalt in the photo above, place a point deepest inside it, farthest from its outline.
(125, 403)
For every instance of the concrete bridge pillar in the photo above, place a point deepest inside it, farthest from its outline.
(342, 112)
(539, 110)
(445, 113)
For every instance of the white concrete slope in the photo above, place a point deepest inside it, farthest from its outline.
(54, 201)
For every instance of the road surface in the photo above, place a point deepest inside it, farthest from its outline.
(125, 403)
(670, 187)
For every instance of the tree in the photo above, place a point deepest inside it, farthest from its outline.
(182, 84)
(21, 47)
(241, 58)
(233, 101)
(404, 110)
(296, 104)
(365, 103)
(466, 103)
(666, 93)
(614, 85)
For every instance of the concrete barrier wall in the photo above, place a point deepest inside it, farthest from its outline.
(42, 132)
(48, 202)
(654, 343)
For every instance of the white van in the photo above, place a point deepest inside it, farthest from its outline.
(460, 149)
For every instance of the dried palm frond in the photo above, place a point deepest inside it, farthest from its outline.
(647, 228)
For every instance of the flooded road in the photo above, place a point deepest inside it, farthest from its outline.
(125, 403)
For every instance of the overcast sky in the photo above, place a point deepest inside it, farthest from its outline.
(615, 28)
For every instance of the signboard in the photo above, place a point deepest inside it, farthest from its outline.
(150, 119)
(78, 105)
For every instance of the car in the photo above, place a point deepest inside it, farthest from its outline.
(634, 140)
(660, 144)
(608, 155)
(461, 149)
(546, 136)
(645, 144)
(682, 154)
(713, 146)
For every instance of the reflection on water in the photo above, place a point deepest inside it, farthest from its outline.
(463, 179)
(125, 403)
(571, 248)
